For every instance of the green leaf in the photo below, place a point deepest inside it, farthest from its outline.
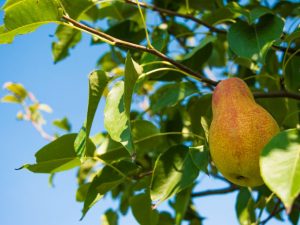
(200, 157)
(169, 95)
(110, 60)
(110, 217)
(146, 137)
(118, 104)
(294, 215)
(63, 124)
(97, 83)
(245, 207)
(67, 38)
(200, 54)
(75, 8)
(132, 73)
(280, 165)
(198, 108)
(24, 16)
(159, 41)
(116, 120)
(221, 15)
(108, 178)
(174, 171)
(181, 204)
(56, 156)
(291, 74)
(127, 30)
(142, 209)
(116, 10)
(253, 41)
(165, 219)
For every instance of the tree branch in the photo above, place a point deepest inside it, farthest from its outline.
(230, 189)
(202, 78)
(173, 13)
(201, 22)
(277, 94)
(274, 212)
(121, 43)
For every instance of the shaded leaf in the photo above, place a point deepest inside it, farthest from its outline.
(108, 178)
(174, 171)
(181, 204)
(110, 217)
(170, 94)
(67, 38)
(200, 157)
(75, 8)
(141, 207)
(253, 41)
(245, 207)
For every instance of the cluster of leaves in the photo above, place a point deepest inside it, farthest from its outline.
(157, 115)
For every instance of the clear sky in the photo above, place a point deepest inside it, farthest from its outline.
(26, 198)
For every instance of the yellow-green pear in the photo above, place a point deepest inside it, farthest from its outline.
(239, 130)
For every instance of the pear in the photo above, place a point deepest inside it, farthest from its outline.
(239, 131)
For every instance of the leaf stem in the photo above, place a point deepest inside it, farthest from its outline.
(229, 189)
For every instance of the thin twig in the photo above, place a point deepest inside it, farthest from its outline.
(142, 175)
(277, 94)
(202, 78)
(173, 13)
(229, 189)
(122, 43)
(274, 212)
(42, 132)
(201, 22)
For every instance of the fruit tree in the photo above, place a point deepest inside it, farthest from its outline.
(191, 89)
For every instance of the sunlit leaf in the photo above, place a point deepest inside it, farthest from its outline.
(118, 104)
(56, 156)
(280, 165)
(25, 16)
(97, 83)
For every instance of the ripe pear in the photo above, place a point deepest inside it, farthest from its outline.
(239, 130)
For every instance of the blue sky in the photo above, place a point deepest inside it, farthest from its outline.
(27, 199)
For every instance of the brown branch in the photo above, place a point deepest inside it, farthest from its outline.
(144, 174)
(122, 43)
(230, 189)
(274, 212)
(173, 13)
(283, 49)
(277, 94)
(201, 22)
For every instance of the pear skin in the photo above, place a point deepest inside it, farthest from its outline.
(239, 130)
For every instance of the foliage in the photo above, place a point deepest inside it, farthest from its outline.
(158, 109)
